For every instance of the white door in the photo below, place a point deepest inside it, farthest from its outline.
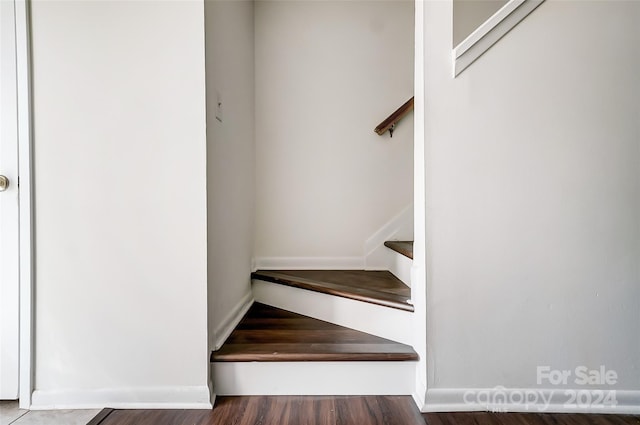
(9, 266)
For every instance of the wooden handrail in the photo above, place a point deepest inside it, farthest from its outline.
(390, 122)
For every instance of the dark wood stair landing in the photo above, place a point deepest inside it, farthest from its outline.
(375, 287)
(402, 247)
(269, 334)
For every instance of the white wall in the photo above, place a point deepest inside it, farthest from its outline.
(533, 201)
(120, 204)
(468, 15)
(230, 158)
(327, 73)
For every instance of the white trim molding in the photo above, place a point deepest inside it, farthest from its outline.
(418, 270)
(230, 322)
(400, 227)
(533, 400)
(492, 30)
(10, 217)
(309, 263)
(191, 397)
(375, 255)
(420, 391)
(25, 155)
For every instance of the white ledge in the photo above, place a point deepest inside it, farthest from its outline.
(492, 30)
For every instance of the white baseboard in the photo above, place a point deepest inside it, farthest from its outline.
(532, 400)
(400, 227)
(489, 32)
(380, 258)
(309, 263)
(420, 391)
(197, 397)
(375, 255)
(212, 393)
(230, 322)
(313, 378)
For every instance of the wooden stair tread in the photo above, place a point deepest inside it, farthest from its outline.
(403, 247)
(269, 334)
(375, 287)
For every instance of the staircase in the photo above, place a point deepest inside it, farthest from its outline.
(323, 332)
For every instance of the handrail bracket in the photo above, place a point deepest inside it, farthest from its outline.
(392, 120)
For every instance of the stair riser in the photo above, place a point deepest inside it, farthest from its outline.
(400, 266)
(313, 378)
(377, 320)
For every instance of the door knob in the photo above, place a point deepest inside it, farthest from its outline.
(4, 183)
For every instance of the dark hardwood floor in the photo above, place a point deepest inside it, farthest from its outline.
(271, 334)
(292, 410)
(375, 287)
(338, 410)
(489, 418)
(403, 247)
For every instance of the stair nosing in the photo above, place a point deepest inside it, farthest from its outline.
(312, 357)
(392, 246)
